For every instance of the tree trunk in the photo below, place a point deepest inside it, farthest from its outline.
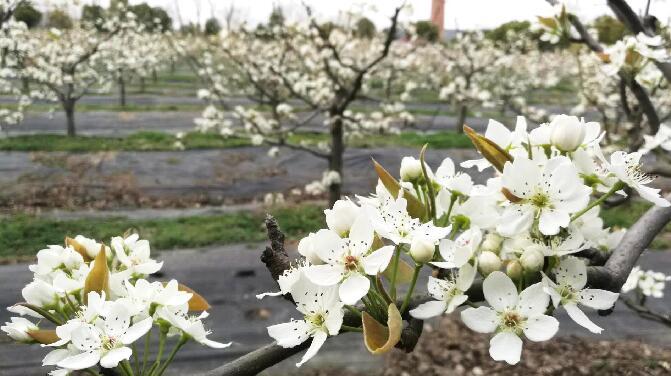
(172, 66)
(26, 85)
(122, 91)
(143, 85)
(463, 110)
(154, 75)
(336, 158)
(69, 107)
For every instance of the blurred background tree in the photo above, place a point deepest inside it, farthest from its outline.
(28, 14)
(59, 19)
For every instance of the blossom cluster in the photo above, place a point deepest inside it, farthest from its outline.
(100, 303)
(520, 233)
(647, 282)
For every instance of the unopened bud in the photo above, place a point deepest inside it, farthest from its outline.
(532, 260)
(488, 262)
(514, 270)
(422, 250)
(411, 169)
(492, 242)
(568, 132)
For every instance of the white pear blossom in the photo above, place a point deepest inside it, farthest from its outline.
(627, 168)
(191, 326)
(348, 261)
(322, 316)
(510, 316)
(106, 341)
(569, 291)
(133, 253)
(457, 253)
(548, 194)
(341, 217)
(449, 294)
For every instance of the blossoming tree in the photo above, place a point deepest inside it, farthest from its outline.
(320, 69)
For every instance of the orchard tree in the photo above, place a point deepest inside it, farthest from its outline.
(69, 63)
(212, 26)
(322, 69)
(59, 19)
(28, 14)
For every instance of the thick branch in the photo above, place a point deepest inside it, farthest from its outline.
(614, 273)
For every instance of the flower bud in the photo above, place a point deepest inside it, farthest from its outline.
(18, 329)
(422, 249)
(568, 132)
(488, 262)
(532, 260)
(514, 270)
(492, 242)
(411, 169)
(40, 294)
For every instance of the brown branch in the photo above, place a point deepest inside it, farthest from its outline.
(646, 312)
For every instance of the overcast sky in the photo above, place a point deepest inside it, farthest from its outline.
(459, 14)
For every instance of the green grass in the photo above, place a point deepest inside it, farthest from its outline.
(23, 236)
(625, 215)
(159, 141)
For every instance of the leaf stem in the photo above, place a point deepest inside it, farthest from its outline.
(616, 187)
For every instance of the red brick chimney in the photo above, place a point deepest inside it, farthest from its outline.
(438, 15)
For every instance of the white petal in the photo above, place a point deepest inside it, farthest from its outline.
(533, 300)
(551, 221)
(117, 320)
(455, 302)
(317, 342)
(361, 235)
(353, 288)
(572, 271)
(334, 319)
(515, 219)
(80, 361)
(465, 277)
(598, 299)
(500, 291)
(506, 346)
(577, 315)
(329, 246)
(136, 331)
(541, 328)
(520, 176)
(481, 319)
(290, 334)
(213, 344)
(377, 261)
(113, 357)
(429, 309)
(55, 356)
(324, 275)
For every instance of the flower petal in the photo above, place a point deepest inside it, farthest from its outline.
(429, 309)
(598, 299)
(551, 221)
(80, 361)
(506, 346)
(136, 331)
(378, 261)
(317, 343)
(113, 357)
(290, 334)
(541, 328)
(580, 318)
(324, 275)
(353, 288)
(481, 319)
(500, 291)
(533, 300)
